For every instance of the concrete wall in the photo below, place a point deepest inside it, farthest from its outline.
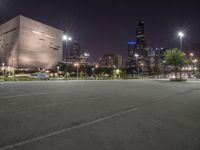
(9, 33)
(39, 45)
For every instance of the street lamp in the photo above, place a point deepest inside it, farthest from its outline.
(58, 69)
(86, 55)
(93, 72)
(66, 38)
(136, 56)
(76, 65)
(191, 54)
(69, 38)
(142, 65)
(13, 62)
(181, 35)
(195, 61)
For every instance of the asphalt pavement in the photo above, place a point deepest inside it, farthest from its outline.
(100, 115)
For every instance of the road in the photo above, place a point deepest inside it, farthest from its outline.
(100, 115)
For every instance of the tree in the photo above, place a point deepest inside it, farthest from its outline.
(175, 58)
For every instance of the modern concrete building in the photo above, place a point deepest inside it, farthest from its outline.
(29, 44)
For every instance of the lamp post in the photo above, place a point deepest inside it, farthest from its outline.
(136, 57)
(142, 65)
(13, 63)
(58, 69)
(66, 39)
(181, 35)
(76, 65)
(92, 72)
(86, 56)
(194, 64)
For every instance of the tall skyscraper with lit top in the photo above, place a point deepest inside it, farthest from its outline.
(137, 51)
(141, 48)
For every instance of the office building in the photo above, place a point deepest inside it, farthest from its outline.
(141, 48)
(112, 61)
(131, 48)
(75, 50)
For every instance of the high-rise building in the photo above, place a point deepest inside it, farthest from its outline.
(140, 33)
(112, 60)
(141, 48)
(74, 51)
(131, 48)
(118, 61)
(26, 43)
(138, 51)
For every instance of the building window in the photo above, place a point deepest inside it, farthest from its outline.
(57, 46)
(55, 49)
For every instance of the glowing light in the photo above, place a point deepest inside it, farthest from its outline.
(65, 37)
(39, 33)
(117, 71)
(76, 64)
(181, 34)
(136, 55)
(195, 61)
(69, 38)
(131, 42)
(86, 54)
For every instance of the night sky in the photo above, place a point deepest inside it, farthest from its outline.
(106, 26)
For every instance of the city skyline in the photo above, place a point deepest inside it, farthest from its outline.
(106, 27)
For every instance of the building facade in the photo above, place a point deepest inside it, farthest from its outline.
(131, 49)
(26, 43)
(112, 61)
(75, 50)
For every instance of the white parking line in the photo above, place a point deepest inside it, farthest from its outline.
(68, 129)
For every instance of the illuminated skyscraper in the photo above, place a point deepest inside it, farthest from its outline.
(131, 48)
(74, 51)
(137, 51)
(141, 48)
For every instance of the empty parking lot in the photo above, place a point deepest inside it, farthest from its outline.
(100, 115)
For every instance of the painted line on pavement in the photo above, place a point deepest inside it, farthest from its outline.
(68, 129)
